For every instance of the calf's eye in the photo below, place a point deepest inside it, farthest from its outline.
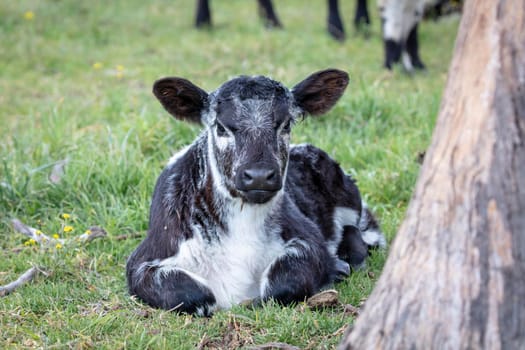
(287, 127)
(221, 130)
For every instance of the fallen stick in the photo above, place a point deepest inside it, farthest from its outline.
(92, 233)
(274, 345)
(33, 233)
(24, 278)
(128, 236)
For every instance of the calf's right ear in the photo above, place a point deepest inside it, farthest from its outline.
(318, 93)
(181, 98)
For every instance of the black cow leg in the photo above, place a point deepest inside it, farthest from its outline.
(412, 48)
(203, 15)
(335, 25)
(361, 19)
(173, 290)
(352, 248)
(300, 273)
(268, 14)
(392, 53)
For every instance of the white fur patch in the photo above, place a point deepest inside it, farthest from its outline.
(222, 142)
(218, 179)
(342, 216)
(372, 237)
(178, 155)
(299, 145)
(407, 62)
(257, 110)
(400, 16)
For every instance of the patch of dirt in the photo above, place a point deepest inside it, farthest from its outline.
(235, 336)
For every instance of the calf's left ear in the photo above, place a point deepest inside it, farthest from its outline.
(181, 98)
(318, 93)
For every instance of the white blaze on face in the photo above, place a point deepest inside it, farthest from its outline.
(256, 114)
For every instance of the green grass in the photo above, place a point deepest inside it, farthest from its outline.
(55, 104)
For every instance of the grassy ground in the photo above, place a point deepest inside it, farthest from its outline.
(75, 82)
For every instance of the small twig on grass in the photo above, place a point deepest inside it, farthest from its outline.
(33, 233)
(92, 233)
(128, 236)
(274, 345)
(24, 278)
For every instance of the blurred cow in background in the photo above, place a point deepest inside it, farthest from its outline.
(400, 19)
(267, 12)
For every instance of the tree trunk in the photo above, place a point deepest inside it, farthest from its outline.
(455, 276)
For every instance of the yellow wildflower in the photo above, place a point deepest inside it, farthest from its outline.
(66, 216)
(88, 232)
(29, 242)
(120, 71)
(58, 246)
(56, 236)
(68, 228)
(38, 232)
(97, 65)
(29, 15)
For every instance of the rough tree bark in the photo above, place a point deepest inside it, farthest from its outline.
(455, 276)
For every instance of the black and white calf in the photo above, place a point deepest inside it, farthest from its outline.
(240, 214)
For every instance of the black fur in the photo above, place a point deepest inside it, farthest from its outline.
(361, 18)
(312, 178)
(412, 48)
(268, 14)
(202, 14)
(393, 51)
(335, 24)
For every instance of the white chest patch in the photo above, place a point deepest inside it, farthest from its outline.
(232, 268)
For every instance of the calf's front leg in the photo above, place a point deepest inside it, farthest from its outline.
(301, 272)
(171, 289)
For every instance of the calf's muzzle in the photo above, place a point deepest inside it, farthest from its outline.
(258, 183)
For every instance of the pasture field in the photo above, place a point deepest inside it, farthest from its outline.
(75, 85)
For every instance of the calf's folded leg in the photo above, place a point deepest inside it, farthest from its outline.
(171, 289)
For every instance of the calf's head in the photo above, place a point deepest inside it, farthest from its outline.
(248, 122)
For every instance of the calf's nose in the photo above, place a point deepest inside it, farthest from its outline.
(259, 178)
